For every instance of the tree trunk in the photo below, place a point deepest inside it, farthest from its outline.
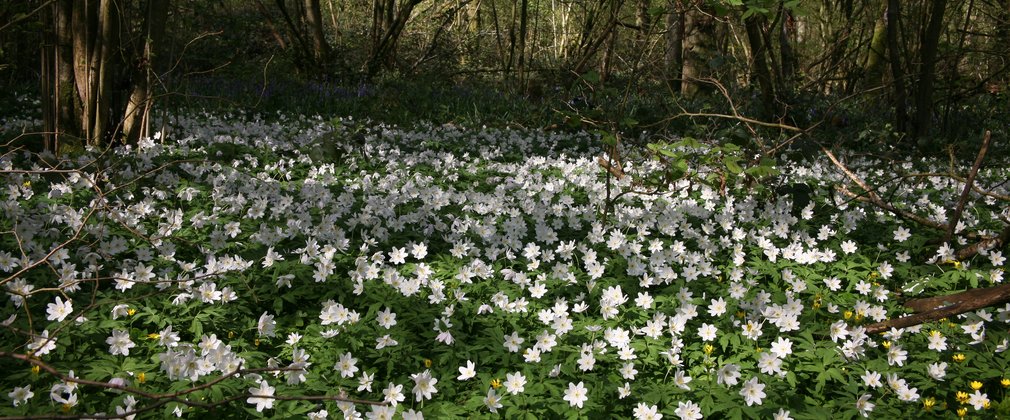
(699, 42)
(927, 67)
(314, 20)
(787, 33)
(673, 60)
(759, 64)
(392, 24)
(61, 105)
(523, 32)
(136, 120)
(873, 70)
(897, 74)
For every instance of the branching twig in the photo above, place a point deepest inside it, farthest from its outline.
(952, 223)
(935, 308)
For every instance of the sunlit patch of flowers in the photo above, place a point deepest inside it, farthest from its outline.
(283, 268)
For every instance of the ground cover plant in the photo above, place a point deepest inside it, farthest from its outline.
(242, 266)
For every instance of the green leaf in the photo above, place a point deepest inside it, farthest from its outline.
(732, 164)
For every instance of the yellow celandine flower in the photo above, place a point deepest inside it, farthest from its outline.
(231, 334)
(153, 336)
(958, 357)
(131, 311)
(874, 275)
(141, 377)
(1005, 382)
(962, 397)
(859, 316)
(975, 385)
(847, 314)
(496, 383)
(27, 184)
(963, 411)
(886, 344)
(708, 349)
(427, 363)
(35, 369)
(928, 403)
(256, 342)
(986, 405)
(740, 314)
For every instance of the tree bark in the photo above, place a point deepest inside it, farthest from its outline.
(897, 74)
(759, 64)
(136, 120)
(873, 69)
(927, 68)
(699, 41)
(673, 60)
(314, 21)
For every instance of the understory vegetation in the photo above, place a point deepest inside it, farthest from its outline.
(285, 265)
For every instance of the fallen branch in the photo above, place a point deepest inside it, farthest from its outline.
(939, 307)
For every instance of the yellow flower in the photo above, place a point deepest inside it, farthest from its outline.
(958, 357)
(874, 275)
(740, 314)
(928, 403)
(975, 385)
(496, 383)
(35, 369)
(1005, 382)
(256, 342)
(847, 314)
(141, 377)
(131, 311)
(962, 397)
(860, 315)
(427, 363)
(708, 349)
(963, 411)
(986, 405)
(231, 334)
(27, 184)
(886, 344)
(154, 336)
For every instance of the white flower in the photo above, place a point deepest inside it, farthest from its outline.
(576, 394)
(265, 326)
(902, 234)
(515, 383)
(346, 365)
(644, 411)
(424, 385)
(393, 394)
(386, 318)
(467, 372)
(119, 342)
(688, 411)
(728, 375)
(60, 310)
(864, 405)
(782, 348)
(262, 396)
(492, 400)
(21, 394)
(978, 400)
(43, 344)
(753, 391)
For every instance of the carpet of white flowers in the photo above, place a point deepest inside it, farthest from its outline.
(289, 267)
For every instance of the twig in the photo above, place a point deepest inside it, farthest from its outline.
(952, 223)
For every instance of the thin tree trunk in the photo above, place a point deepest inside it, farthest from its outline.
(873, 69)
(314, 21)
(897, 74)
(136, 121)
(699, 34)
(674, 57)
(927, 68)
(759, 65)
